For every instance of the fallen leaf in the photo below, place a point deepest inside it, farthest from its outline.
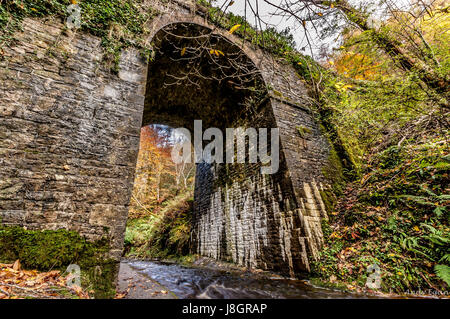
(16, 265)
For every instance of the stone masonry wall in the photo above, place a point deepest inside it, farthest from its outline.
(271, 222)
(69, 134)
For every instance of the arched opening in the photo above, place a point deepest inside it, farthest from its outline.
(161, 204)
(196, 74)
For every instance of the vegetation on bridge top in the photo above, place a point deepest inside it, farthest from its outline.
(120, 24)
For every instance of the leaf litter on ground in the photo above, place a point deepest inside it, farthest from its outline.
(18, 283)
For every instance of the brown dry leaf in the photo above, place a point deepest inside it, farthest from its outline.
(121, 295)
(16, 265)
(35, 283)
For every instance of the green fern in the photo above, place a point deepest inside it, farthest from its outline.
(446, 258)
(443, 272)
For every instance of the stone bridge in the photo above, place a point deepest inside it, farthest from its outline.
(69, 138)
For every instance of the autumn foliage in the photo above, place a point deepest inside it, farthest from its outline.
(157, 178)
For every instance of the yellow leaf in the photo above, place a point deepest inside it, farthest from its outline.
(234, 28)
(183, 51)
(345, 87)
(74, 1)
(299, 63)
(211, 51)
(319, 14)
(331, 62)
(332, 5)
(231, 3)
(304, 23)
(416, 228)
(218, 53)
(33, 9)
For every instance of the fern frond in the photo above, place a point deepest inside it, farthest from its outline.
(443, 272)
(445, 258)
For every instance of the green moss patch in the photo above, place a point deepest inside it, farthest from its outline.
(56, 249)
(303, 131)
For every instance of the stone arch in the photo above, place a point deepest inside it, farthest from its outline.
(70, 137)
(254, 220)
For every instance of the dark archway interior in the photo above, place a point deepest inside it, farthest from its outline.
(198, 75)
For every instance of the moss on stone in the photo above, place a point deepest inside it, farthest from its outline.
(334, 172)
(56, 249)
(303, 131)
(329, 199)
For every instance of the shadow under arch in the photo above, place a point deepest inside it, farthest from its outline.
(196, 74)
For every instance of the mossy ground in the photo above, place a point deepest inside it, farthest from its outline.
(56, 249)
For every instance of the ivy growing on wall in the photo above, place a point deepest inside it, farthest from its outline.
(119, 23)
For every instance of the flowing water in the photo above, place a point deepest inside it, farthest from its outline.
(186, 282)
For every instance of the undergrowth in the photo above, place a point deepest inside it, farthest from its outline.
(395, 216)
(163, 235)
